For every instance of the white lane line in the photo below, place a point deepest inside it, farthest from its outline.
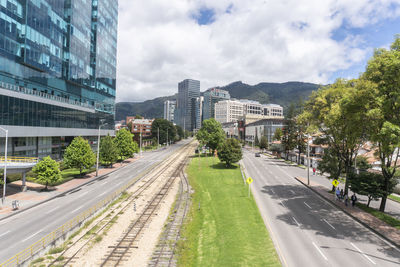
(104, 183)
(359, 250)
(84, 193)
(50, 211)
(296, 221)
(283, 204)
(29, 237)
(77, 209)
(292, 192)
(102, 194)
(4, 233)
(320, 252)
(329, 224)
(273, 192)
(307, 205)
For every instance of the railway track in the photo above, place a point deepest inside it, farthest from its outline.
(149, 179)
(164, 255)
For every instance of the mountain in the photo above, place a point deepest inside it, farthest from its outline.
(277, 93)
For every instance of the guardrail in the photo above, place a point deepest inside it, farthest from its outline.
(50, 238)
(18, 159)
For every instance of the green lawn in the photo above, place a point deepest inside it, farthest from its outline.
(395, 198)
(380, 215)
(228, 229)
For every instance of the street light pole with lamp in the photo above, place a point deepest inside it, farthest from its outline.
(5, 166)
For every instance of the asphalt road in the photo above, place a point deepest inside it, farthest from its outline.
(20, 231)
(306, 229)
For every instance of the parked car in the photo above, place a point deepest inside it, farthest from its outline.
(258, 155)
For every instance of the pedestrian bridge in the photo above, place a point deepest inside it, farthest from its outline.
(17, 164)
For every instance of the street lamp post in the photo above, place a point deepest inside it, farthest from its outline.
(167, 136)
(308, 160)
(158, 137)
(140, 141)
(5, 166)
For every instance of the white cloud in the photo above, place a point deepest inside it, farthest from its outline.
(161, 44)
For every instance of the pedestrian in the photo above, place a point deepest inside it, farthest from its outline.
(341, 194)
(314, 170)
(346, 200)
(337, 193)
(353, 199)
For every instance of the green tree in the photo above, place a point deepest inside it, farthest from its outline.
(130, 125)
(79, 155)
(338, 111)
(138, 117)
(166, 130)
(264, 142)
(277, 149)
(211, 134)
(124, 144)
(230, 151)
(331, 163)
(383, 71)
(179, 132)
(256, 141)
(278, 134)
(108, 151)
(362, 163)
(369, 184)
(47, 171)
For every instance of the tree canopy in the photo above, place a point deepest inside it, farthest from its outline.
(166, 130)
(79, 154)
(47, 171)
(124, 144)
(211, 134)
(230, 151)
(108, 151)
(264, 142)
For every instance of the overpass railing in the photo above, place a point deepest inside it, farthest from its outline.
(18, 159)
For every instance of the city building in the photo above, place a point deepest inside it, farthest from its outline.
(185, 112)
(264, 127)
(272, 110)
(251, 107)
(169, 110)
(140, 127)
(199, 112)
(57, 73)
(229, 111)
(211, 97)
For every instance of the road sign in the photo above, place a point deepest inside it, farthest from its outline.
(249, 180)
(335, 183)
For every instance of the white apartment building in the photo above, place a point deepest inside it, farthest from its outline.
(272, 110)
(228, 111)
(251, 107)
(169, 109)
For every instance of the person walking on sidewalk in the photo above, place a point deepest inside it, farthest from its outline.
(341, 194)
(337, 193)
(313, 171)
(353, 199)
(346, 200)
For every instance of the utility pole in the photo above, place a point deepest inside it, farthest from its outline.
(308, 160)
(140, 141)
(5, 166)
(167, 136)
(158, 137)
(98, 152)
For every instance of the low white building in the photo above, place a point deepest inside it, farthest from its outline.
(228, 111)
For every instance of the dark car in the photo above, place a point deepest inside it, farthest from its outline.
(258, 155)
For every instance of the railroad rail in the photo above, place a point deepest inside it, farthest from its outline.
(164, 255)
(149, 179)
(127, 242)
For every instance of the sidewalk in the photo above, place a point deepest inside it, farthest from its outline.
(34, 196)
(379, 227)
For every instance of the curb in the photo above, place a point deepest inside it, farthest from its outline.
(355, 218)
(65, 192)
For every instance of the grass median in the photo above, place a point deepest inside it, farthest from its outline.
(224, 225)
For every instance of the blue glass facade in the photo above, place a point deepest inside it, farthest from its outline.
(63, 50)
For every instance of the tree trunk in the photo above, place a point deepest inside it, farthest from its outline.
(80, 171)
(369, 201)
(299, 160)
(47, 183)
(333, 188)
(383, 203)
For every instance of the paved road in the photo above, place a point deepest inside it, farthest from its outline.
(306, 229)
(22, 230)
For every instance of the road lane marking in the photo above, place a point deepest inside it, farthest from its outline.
(359, 250)
(50, 211)
(329, 224)
(307, 205)
(296, 221)
(84, 193)
(77, 209)
(102, 194)
(273, 192)
(283, 204)
(4, 233)
(29, 237)
(292, 192)
(104, 183)
(320, 252)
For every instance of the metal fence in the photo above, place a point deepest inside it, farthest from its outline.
(18, 159)
(51, 238)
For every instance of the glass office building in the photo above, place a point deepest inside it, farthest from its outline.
(185, 111)
(211, 97)
(57, 72)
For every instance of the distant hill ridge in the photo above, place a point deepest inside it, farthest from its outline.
(277, 93)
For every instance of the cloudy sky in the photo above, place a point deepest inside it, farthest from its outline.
(162, 42)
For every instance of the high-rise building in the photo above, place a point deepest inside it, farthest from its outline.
(199, 112)
(185, 112)
(211, 97)
(57, 72)
(169, 110)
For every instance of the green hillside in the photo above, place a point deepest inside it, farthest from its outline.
(277, 93)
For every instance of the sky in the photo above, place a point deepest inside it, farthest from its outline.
(161, 43)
